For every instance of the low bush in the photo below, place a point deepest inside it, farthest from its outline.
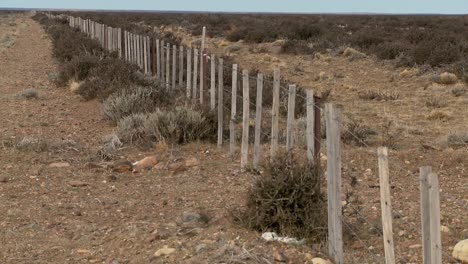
(296, 47)
(28, 94)
(457, 140)
(445, 78)
(76, 69)
(357, 133)
(459, 90)
(131, 129)
(378, 95)
(287, 199)
(435, 102)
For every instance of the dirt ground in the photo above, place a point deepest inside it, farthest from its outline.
(60, 204)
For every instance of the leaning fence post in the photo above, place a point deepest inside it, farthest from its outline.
(275, 113)
(189, 72)
(386, 205)
(220, 102)
(213, 82)
(232, 127)
(425, 213)
(434, 211)
(245, 119)
(195, 75)
(258, 121)
(310, 104)
(333, 129)
(290, 120)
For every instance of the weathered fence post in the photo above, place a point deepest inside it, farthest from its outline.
(220, 102)
(174, 66)
(168, 62)
(425, 213)
(310, 137)
(290, 120)
(386, 205)
(181, 66)
(432, 187)
(232, 124)
(145, 55)
(163, 63)
(333, 130)
(158, 60)
(245, 119)
(258, 121)
(189, 72)
(213, 82)
(275, 113)
(195, 75)
(202, 67)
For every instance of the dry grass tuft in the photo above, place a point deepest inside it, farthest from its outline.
(357, 133)
(438, 115)
(287, 199)
(353, 54)
(378, 95)
(32, 144)
(457, 140)
(131, 129)
(459, 89)
(436, 102)
(28, 94)
(445, 78)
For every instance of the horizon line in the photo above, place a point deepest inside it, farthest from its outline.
(225, 12)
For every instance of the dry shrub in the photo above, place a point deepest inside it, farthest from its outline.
(296, 47)
(378, 95)
(287, 199)
(76, 69)
(27, 94)
(435, 102)
(131, 129)
(438, 115)
(180, 125)
(353, 54)
(457, 140)
(133, 100)
(32, 144)
(445, 78)
(357, 133)
(389, 135)
(459, 89)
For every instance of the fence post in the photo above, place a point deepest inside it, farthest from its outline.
(275, 113)
(163, 63)
(386, 205)
(195, 75)
(310, 137)
(145, 55)
(168, 62)
(258, 121)
(181, 66)
(148, 54)
(153, 56)
(434, 210)
(245, 120)
(189, 72)
(335, 236)
(290, 121)
(213, 82)
(138, 51)
(174, 66)
(232, 129)
(425, 213)
(220, 102)
(158, 60)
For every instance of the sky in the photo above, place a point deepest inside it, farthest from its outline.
(284, 6)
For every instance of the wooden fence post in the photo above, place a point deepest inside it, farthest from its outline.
(181, 66)
(425, 213)
(220, 102)
(145, 55)
(158, 60)
(310, 137)
(434, 211)
(258, 121)
(275, 113)
(213, 82)
(189, 72)
(232, 124)
(386, 205)
(335, 235)
(195, 75)
(174, 66)
(168, 61)
(148, 54)
(163, 63)
(245, 120)
(290, 120)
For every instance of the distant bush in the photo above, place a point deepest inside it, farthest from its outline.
(390, 50)
(131, 129)
(296, 47)
(76, 69)
(459, 90)
(378, 95)
(28, 94)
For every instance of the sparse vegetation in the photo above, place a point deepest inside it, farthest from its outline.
(357, 133)
(457, 140)
(28, 94)
(436, 102)
(459, 90)
(378, 95)
(445, 78)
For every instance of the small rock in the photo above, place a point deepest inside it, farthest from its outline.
(279, 256)
(122, 166)
(401, 233)
(78, 184)
(415, 246)
(145, 164)
(444, 229)
(320, 261)
(308, 256)
(460, 251)
(59, 165)
(192, 217)
(192, 162)
(164, 251)
(3, 179)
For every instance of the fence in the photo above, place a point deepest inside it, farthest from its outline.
(188, 69)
